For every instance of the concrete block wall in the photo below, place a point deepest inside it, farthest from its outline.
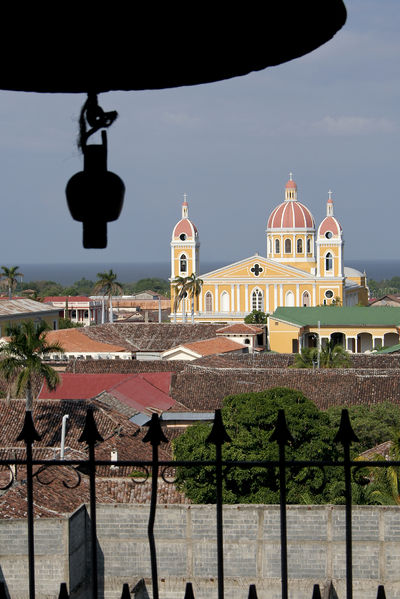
(186, 551)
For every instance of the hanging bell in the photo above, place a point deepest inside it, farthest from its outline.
(95, 195)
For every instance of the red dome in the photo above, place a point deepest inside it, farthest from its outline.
(291, 185)
(330, 224)
(291, 215)
(186, 227)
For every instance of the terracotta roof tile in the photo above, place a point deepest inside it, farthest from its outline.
(73, 340)
(217, 345)
(240, 329)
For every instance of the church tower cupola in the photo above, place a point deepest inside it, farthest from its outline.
(330, 244)
(185, 245)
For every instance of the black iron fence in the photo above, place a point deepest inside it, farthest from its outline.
(218, 436)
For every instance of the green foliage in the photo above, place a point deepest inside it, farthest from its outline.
(256, 317)
(155, 284)
(373, 424)
(9, 278)
(330, 356)
(384, 287)
(22, 358)
(250, 420)
(66, 323)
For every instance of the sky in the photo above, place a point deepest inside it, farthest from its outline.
(332, 118)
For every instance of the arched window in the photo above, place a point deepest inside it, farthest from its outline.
(299, 246)
(208, 301)
(277, 246)
(328, 261)
(269, 246)
(288, 246)
(289, 299)
(306, 299)
(224, 301)
(183, 263)
(308, 246)
(257, 300)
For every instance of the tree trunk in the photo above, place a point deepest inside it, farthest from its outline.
(29, 397)
(102, 310)
(9, 292)
(193, 309)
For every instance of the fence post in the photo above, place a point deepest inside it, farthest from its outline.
(282, 436)
(29, 435)
(346, 436)
(218, 436)
(154, 436)
(91, 435)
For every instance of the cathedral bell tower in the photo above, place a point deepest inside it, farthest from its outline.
(330, 244)
(185, 248)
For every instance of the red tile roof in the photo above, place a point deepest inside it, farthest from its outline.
(218, 345)
(73, 340)
(240, 329)
(64, 298)
(141, 391)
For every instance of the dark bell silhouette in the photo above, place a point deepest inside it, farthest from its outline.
(95, 195)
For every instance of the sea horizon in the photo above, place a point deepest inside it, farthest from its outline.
(128, 272)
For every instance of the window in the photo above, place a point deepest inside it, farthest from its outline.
(328, 261)
(54, 325)
(306, 299)
(182, 236)
(299, 246)
(329, 293)
(308, 246)
(257, 300)
(277, 246)
(289, 299)
(288, 246)
(328, 234)
(208, 301)
(73, 313)
(224, 301)
(183, 263)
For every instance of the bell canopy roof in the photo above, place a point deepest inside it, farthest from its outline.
(330, 226)
(185, 229)
(290, 214)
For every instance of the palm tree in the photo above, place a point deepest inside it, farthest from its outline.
(330, 356)
(108, 285)
(180, 293)
(333, 355)
(9, 278)
(22, 358)
(193, 286)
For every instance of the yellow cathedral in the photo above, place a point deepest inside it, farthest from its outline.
(303, 267)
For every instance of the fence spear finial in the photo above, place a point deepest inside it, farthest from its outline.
(345, 434)
(252, 592)
(28, 434)
(63, 594)
(125, 591)
(316, 594)
(218, 434)
(155, 435)
(90, 434)
(189, 591)
(381, 592)
(281, 434)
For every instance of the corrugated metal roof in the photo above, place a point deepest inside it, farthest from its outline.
(20, 307)
(335, 315)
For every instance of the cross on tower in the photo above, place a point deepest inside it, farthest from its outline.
(257, 269)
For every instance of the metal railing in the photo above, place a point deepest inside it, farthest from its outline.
(218, 436)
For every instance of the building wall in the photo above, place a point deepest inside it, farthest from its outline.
(186, 551)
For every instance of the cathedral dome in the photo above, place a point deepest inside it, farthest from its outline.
(291, 214)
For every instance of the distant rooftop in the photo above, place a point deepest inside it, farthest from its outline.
(335, 315)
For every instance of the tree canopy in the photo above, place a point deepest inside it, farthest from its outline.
(256, 317)
(250, 419)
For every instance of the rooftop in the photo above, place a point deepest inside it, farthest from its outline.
(335, 315)
(73, 340)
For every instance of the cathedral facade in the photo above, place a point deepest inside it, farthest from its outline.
(303, 267)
